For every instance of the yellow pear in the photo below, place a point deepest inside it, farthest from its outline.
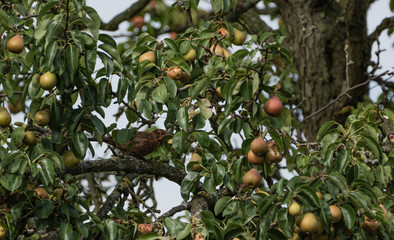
(5, 117)
(48, 81)
(239, 37)
(190, 55)
(150, 56)
(197, 167)
(16, 44)
(308, 223)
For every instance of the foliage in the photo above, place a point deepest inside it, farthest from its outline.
(351, 164)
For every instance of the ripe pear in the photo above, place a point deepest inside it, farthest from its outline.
(138, 21)
(16, 44)
(294, 209)
(319, 227)
(254, 158)
(150, 56)
(40, 192)
(198, 236)
(319, 195)
(144, 228)
(218, 50)
(336, 213)
(239, 37)
(273, 154)
(197, 167)
(370, 226)
(224, 32)
(252, 179)
(308, 223)
(174, 73)
(5, 117)
(273, 106)
(2, 233)
(259, 146)
(48, 81)
(42, 118)
(69, 159)
(14, 109)
(190, 55)
(29, 138)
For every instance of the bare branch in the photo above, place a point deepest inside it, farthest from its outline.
(133, 10)
(386, 23)
(246, 5)
(172, 211)
(345, 93)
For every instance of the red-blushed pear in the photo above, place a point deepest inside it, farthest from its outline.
(224, 32)
(252, 179)
(29, 138)
(2, 233)
(16, 44)
(174, 73)
(273, 154)
(370, 226)
(69, 159)
(294, 209)
(259, 146)
(196, 158)
(48, 81)
(5, 117)
(218, 50)
(336, 213)
(42, 118)
(190, 55)
(14, 109)
(150, 56)
(308, 223)
(144, 228)
(273, 106)
(138, 21)
(239, 37)
(254, 158)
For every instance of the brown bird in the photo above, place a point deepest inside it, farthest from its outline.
(142, 144)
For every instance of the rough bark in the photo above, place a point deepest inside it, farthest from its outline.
(317, 34)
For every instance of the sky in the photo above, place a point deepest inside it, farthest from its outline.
(168, 193)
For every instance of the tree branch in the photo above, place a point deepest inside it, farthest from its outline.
(345, 93)
(133, 10)
(172, 211)
(130, 165)
(386, 23)
(246, 5)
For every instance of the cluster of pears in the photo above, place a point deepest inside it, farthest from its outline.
(261, 151)
(308, 224)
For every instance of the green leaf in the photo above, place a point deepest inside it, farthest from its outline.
(310, 193)
(17, 136)
(199, 86)
(66, 231)
(72, 59)
(205, 108)
(349, 215)
(94, 24)
(284, 222)
(44, 208)
(181, 63)
(179, 142)
(324, 129)
(171, 44)
(182, 118)
(202, 138)
(221, 204)
(159, 94)
(340, 181)
(110, 229)
(80, 144)
(374, 146)
(342, 160)
(4, 21)
(188, 183)
(48, 171)
(6, 84)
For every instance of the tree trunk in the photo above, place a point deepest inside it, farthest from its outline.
(317, 32)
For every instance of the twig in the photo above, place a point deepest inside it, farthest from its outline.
(172, 211)
(345, 93)
(386, 23)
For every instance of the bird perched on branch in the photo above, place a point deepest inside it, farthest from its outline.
(142, 144)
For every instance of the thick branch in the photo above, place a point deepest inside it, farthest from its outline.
(133, 10)
(246, 5)
(386, 23)
(172, 211)
(131, 165)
